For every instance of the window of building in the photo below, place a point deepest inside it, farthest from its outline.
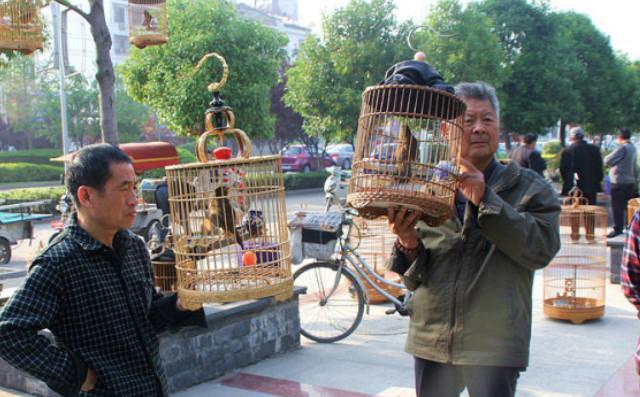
(121, 45)
(119, 14)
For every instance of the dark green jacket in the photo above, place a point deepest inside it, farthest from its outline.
(472, 283)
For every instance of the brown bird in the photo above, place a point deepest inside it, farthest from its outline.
(221, 214)
(148, 20)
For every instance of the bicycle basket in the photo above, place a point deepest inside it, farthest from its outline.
(315, 235)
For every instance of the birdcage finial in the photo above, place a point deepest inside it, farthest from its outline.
(214, 87)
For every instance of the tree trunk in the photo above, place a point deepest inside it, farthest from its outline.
(105, 75)
(562, 133)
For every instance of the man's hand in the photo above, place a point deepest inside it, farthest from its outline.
(403, 225)
(89, 381)
(471, 180)
(188, 308)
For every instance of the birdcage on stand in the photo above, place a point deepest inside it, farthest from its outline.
(228, 218)
(148, 23)
(374, 242)
(574, 282)
(407, 151)
(20, 25)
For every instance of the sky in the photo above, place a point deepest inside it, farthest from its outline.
(617, 19)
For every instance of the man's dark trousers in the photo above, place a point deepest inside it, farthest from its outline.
(621, 193)
(446, 380)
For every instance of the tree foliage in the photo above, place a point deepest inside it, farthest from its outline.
(161, 76)
(359, 42)
(461, 44)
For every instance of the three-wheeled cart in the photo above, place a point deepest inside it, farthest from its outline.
(16, 225)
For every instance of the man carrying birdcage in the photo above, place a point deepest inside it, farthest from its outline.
(92, 287)
(472, 276)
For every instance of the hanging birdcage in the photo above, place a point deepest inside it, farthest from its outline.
(374, 242)
(20, 26)
(574, 282)
(228, 218)
(407, 151)
(148, 24)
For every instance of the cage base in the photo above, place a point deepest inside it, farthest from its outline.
(577, 311)
(434, 213)
(375, 297)
(145, 40)
(25, 47)
(191, 297)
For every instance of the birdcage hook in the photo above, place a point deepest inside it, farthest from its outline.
(213, 87)
(429, 28)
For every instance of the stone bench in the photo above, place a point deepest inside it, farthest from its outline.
(238, 334)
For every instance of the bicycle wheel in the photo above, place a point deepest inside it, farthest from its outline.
(333, 305)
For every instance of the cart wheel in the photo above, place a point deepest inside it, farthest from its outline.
(5, 251)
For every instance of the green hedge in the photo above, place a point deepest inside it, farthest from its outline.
(33, 194)
(301, 180)
(25, 172)
(36, 156)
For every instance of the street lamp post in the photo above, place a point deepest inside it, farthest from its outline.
(57, 28)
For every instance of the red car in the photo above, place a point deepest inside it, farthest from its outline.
(298, 158)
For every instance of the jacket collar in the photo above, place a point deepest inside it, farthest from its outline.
(88, 242)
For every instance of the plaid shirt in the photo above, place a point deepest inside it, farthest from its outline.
(631, 270)
(101, 306)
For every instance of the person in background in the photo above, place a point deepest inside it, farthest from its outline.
(583, 161)
(622, 172)
(472, 277)
(92, 287)
(527, 156)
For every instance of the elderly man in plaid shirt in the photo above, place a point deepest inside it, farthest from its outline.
(93, 288)
(631, 271)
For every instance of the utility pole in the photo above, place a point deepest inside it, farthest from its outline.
(56, 15)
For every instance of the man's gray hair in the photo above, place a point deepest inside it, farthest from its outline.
(481, 91)
(576, 133)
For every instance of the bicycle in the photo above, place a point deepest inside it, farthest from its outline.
(333, 305)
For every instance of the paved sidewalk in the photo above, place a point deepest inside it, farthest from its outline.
(567, 360)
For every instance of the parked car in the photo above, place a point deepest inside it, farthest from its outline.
(342, 154)
(298, 158)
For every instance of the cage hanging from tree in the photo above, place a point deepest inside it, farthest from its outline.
(148, 24)
(20, 26)
(228, 218)
(407, 151)
(574, 281)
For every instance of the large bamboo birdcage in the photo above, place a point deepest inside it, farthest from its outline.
(148, 23)
(20, 25)
(374, 242)
(407, 151)
(228, 219)
(574, 282)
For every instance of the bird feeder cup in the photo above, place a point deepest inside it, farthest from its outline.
(20, 26)
(228, 219)
(148, 24)
(408, 150)
(574, 281)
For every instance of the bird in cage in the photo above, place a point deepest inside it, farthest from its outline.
(148, 20)
(253, 223)
(221, 215)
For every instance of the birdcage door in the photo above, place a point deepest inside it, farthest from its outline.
(20, 25)
(148, 24)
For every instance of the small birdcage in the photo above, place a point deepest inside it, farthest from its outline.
(148, 23)
(574, 282)
(374, 242)
(20, 26)
(407, 151)
(228, 218)
(632, 206)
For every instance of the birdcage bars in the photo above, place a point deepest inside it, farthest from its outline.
(164, 273)
(148, 23)
(374, 242)
(575, 280)
(407, 151)
(216, 260)
(20, 26)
